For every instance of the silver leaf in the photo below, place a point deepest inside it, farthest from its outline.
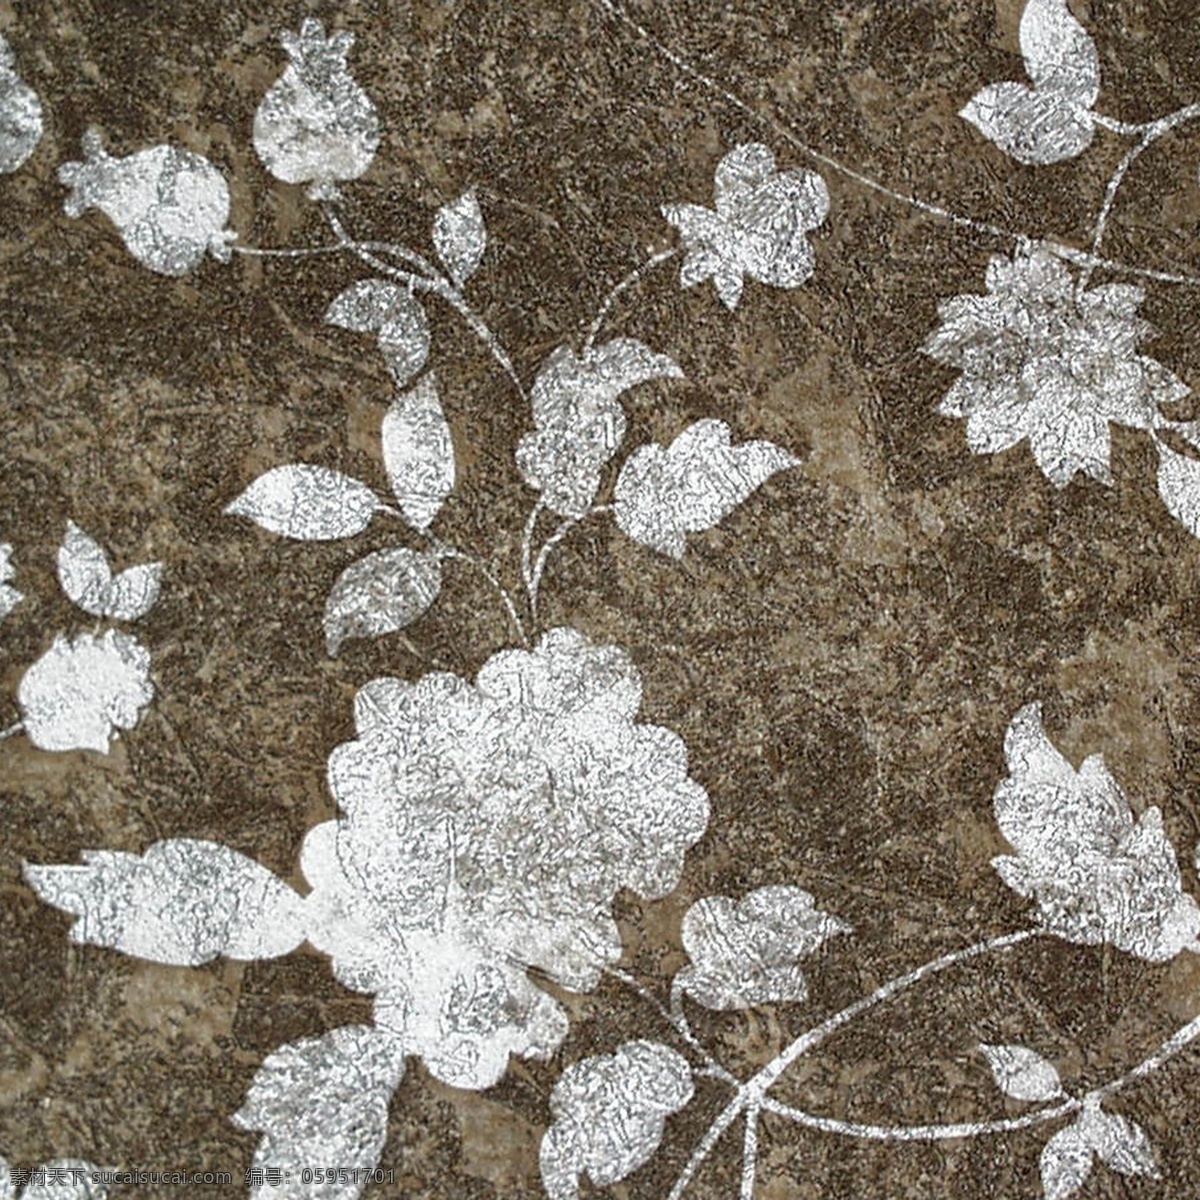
(20, 115)
(664, 493)
(88, 581)
(182, 902)
(323, 1101)
(460, 237)
(308, 503)
(1179, 486)
(1022, 1073)
(418, 452)
(608, 1115)
(1060, 55)
(380, 594)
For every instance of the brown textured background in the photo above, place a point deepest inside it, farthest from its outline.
(842, 656)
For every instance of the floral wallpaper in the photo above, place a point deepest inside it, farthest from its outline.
(596, 598)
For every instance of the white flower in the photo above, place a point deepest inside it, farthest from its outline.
(78, 693)
(9, 596)
(487, 827)
(170, 205)
(758, 229)
(1040, 360)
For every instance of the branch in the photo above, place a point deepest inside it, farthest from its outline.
(618, 288)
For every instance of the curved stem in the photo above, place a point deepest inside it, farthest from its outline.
(1182, 1038)
(919, 1133)
(432, 281)
(287, 251)
(11, 730)
(750, 1153)
(1149, 134)
(539, 568)
(623, 285)
(933, 210)
(774, 1070)
(678, 1023)
(503, 592)
(753, 1093)
(539, 506)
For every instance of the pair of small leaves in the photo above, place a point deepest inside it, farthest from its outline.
(87, 579)
(1051, 121)
(748, 952)
(1069, 1155)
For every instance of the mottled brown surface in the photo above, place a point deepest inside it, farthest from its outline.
(841, 656)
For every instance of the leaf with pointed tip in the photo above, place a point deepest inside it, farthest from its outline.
(1022, 1073)
(1059, 53)
(396, 316)
(418, 452)
(1066, 1163)
(1036, 128)
(1179, 486)
(664, 493)
(307, 503)
(182, 902)
(1123, 1145)
(460, 237)
(324, 1100)
(88, 581)
(363, 306)
(380, 594)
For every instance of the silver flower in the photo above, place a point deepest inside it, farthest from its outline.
(758, 228)
(78, 693)
(487, 827)
(1044, 361)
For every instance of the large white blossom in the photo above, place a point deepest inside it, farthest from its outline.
(487, 827)
(1042, 360)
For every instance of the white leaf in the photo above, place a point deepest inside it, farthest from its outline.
(306, 502)
(609, 1113)
(376, 306)
(88, 581)
(664, 493)
(749, 951)
(418, 452)
(1034, 127)
(1060, 55)
(182, 902)
(380, 594)
(363, 306)
(20, 115)
(1022, 1073)
(1122, 1144)
(1179, 486)
(1066, 1163)
(1097, 874)
(323, 1103)
(460, 237)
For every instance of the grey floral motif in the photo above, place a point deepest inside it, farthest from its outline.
(758, 226)
(1042, 360)
(663, 493)
(609, 1113)
(487, 827)
(321, 1105)
(580, 421)
(78, 693)
(749, 951)
(1097, 874)
(315, 124)
(1051, 121)
(1069, 1155)
(20, 115)
(9, 596)
(170, 205)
